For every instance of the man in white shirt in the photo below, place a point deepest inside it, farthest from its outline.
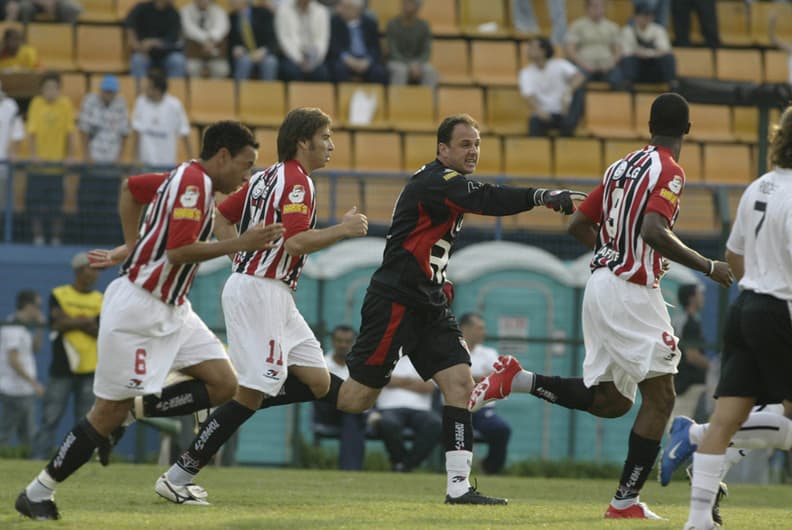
(647, 56)
(303, 31)
(205, 25)
(157, 121)
(406, 401)
(19, 387)
(553, 89)
(12, 131)
(495, 430)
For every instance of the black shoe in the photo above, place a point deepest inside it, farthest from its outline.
(472, 496)
(723, 491)
(104, 450)
(38, 511)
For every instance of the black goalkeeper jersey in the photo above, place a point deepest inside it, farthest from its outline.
(426, 219)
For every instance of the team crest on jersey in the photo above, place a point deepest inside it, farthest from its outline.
(190, 197)
(258, 189)
(676, 184)
(620, 169)
(297, 194)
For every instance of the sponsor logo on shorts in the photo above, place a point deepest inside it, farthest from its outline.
(135, 384)
(271, 374)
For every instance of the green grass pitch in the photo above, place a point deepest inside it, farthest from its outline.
(122, 497)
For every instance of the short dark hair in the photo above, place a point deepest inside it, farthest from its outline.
(343, 328)
(446, 128)
(686, 292)
(25, 298)
(468, 318)
(229, 134)
(546, 45)
(158, 79)
(781, 141)
(50, 76)
(670, 115)
(300, 124)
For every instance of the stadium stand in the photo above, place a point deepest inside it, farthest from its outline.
(344, 96)
(442, 16)
(453, 100)
(303, 94)
(507, 111)
(577, 158)
(211, 100)
(55, 45)
(411, 108)
(738, 65)
(101, 49)
(450, 58)
(493, 62)
(262, 103)
(525, 156)
(728, 164)
(602, 121)
(484, 19)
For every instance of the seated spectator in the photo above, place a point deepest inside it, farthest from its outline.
(252, 42)
(593, 43)
(158, 120)
(660, 9)
(303, 31)
(553, 88)
(9, 10)
(15, 54)
(647, 50)
(154, 35)
(524, 18)
(49, 11)
(355, 53)
(352, 426)
(205, 30)
(494, 429)
(406, 401)
(409, 47)
(707, 16)
(103, 123)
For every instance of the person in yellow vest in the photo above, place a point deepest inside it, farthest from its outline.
(15, 55)
(74, 323)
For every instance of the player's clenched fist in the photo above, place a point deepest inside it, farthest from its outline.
(261, 236)
(558, 200)
(721, 273)
(355, 224)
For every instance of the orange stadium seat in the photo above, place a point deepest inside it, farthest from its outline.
(55, 45)
(507, 111)
(577, 158)
(98, 11)
(491, 156)
(527, 157)
(453, 100)
(442, 16)
(694, 62)
(451, 60)
(304, 94)
(746, 123)
(212, 100)
(692, 159)
(377, 151)
(178, 88)
(74, 86)
(643, 105)
(268, 146)
(345, 93)
(575, 9)
(342, 151)
(419, 149)
(385, 10)
(761, 15)
(126, 85)
(776, 66)
(195, 145)
(738, 65)
(619, 11)
(733, 26)
(262, 102)
(697, 213)
(617, 149)
(411, 108)
(610, 114)
(711, 122)
(494, 62)
(101, 49)
(728, 164)
(484, 19)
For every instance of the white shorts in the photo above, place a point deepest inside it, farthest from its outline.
(141, 339)
(266, 332)
(627, 333)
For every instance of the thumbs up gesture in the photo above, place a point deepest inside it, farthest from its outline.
(355, 224)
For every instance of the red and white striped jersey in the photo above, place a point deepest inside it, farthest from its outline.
(282, 193)
(180, 212)
(648, 180)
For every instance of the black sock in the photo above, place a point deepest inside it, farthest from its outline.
(215, 431)
(332, 394)
(567, 392)
(295, 391)
(641, 457)
(177, 400)
(457, 429)
(75, 450)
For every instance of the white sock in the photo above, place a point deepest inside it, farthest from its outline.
(523, 382)
(458, 470)
(42, 487)
(178, 476)
(622, 504)
(733, 456)
(696, 433)
(706, 480)
(764, 430)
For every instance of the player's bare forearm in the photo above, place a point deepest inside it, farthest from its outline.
(129, 210)
(223, 228)
(583, 229)
(312, 240)
(658, 235)
(202, 251)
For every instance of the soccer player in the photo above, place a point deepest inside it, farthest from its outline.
(147, 324)
(268, 338)
(756, 363)
(630, 345)
(406, 306)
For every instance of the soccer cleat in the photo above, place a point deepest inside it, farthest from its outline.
(38, 511)
(472, 496)
(187, 494)
(723, 491)
(678, 449)
(496, 385)
(715, 526)
(639, 510)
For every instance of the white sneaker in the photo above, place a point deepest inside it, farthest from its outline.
(187, 494)
(715, 526)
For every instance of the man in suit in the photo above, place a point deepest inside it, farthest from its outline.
(252, 41)
(355, 53)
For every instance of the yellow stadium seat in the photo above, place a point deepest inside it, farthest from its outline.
(527, 157)
(577, 158)
(455, 100)
(491, 156)
(377, 151)
(262, 103)
(342, 151)
(776, 66)
(733, 26)
(694, 62)
(643, 105)
(697, 213)
(494, 62)
(711, 122)
(451, 60)
(728, 164)
(385, 10)
(123, 7)
(484, 19)
(212, 100)
(126, 87)
(419, 149)
(575, 9)
(761, 15)
(442, 17)
(177, 87)
(619, 11)
(74, 86)
(738, 65)
(98, 11)
(411, 108)
(195, 145)
(304, 94)
(692, 159)
(746, 124)
(101, 49)
(268, 146)
(610, 114)
(507, 111)
(345, 93)
(55, 45)
(617, 149)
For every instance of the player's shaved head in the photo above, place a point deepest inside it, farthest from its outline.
(670, 116)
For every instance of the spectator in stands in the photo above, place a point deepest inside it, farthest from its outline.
(9, 10)
(593, 43)
(51, 139)
(15, 55)
(252, 42)
(205, 30)
(406, 401)
(707, 16)
(18, 384)
(158, 120)
(154, 34)
(524, 19)
(690, 380)
(352, 426)
(553, 88)
(49, 11)
(494, 429)
(74, 319)
(409, 41)
(12, 131)
(354, 53)
(647, 50)
(104, 123)
(303, 31)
